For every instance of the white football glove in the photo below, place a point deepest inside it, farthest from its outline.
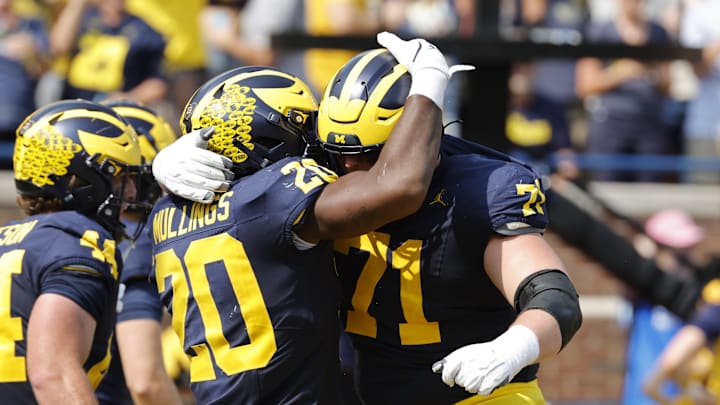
(481, 368)
(187, 169)
(425, 63)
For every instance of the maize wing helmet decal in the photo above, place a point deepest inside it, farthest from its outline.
(363, 102)
(153, 132)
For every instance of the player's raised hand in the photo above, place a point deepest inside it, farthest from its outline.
(187, 169)
(425, 63)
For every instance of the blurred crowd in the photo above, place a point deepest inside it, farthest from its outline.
(158, 52)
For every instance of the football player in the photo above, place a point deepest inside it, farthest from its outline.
(74, 164)
(466, 287)
(249, 278)
(137, 374)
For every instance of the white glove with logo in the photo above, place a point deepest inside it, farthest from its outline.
(483, 367)
(187, 169)
(425, 63)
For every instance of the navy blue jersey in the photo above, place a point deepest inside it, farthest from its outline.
(139, 298)
(62, 253)
(258, 317)
(415, 289)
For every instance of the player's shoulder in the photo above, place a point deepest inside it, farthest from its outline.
(491, 171)
(69, 224)
(62, 238)
(288, 176)
(459, 152)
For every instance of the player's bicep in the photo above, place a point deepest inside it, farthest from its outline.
(509, 260)
(60, 333)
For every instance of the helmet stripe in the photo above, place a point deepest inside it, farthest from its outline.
(351, 92)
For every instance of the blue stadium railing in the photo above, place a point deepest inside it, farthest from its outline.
(587, 161)
(662, 163)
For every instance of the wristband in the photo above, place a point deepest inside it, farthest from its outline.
(431, 83)
(519, 346)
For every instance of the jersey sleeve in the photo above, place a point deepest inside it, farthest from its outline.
(82, 263)
(310, 179)
(516, 200)
(83, 274)
(139, 300)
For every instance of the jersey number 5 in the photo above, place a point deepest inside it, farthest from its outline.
(230, 251)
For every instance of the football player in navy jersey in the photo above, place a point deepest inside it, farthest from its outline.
(463, 297)
(466, 287)
(249, 278)
(137, 373)
(74, 164)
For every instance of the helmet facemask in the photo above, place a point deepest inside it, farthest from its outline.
(94, 191)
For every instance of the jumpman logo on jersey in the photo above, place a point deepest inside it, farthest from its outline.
(439, 199)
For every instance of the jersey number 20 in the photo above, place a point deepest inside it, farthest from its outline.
(230, 251)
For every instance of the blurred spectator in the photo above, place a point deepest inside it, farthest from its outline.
(113, 54)
(556, 22)
(434, 19)
(238, 33)
(23, 58)
(700, 29)
(334, 17)
(185, 60)
(537, 127)
(625, 97)
(690, 359)
(669, 236)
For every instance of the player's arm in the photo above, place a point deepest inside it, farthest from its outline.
(686, 343)
(59, 339)
(531, 276)
(393, 188)
(139, 342)
(139, 336)
(404, 169)
(65, 30)
(396, 185)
